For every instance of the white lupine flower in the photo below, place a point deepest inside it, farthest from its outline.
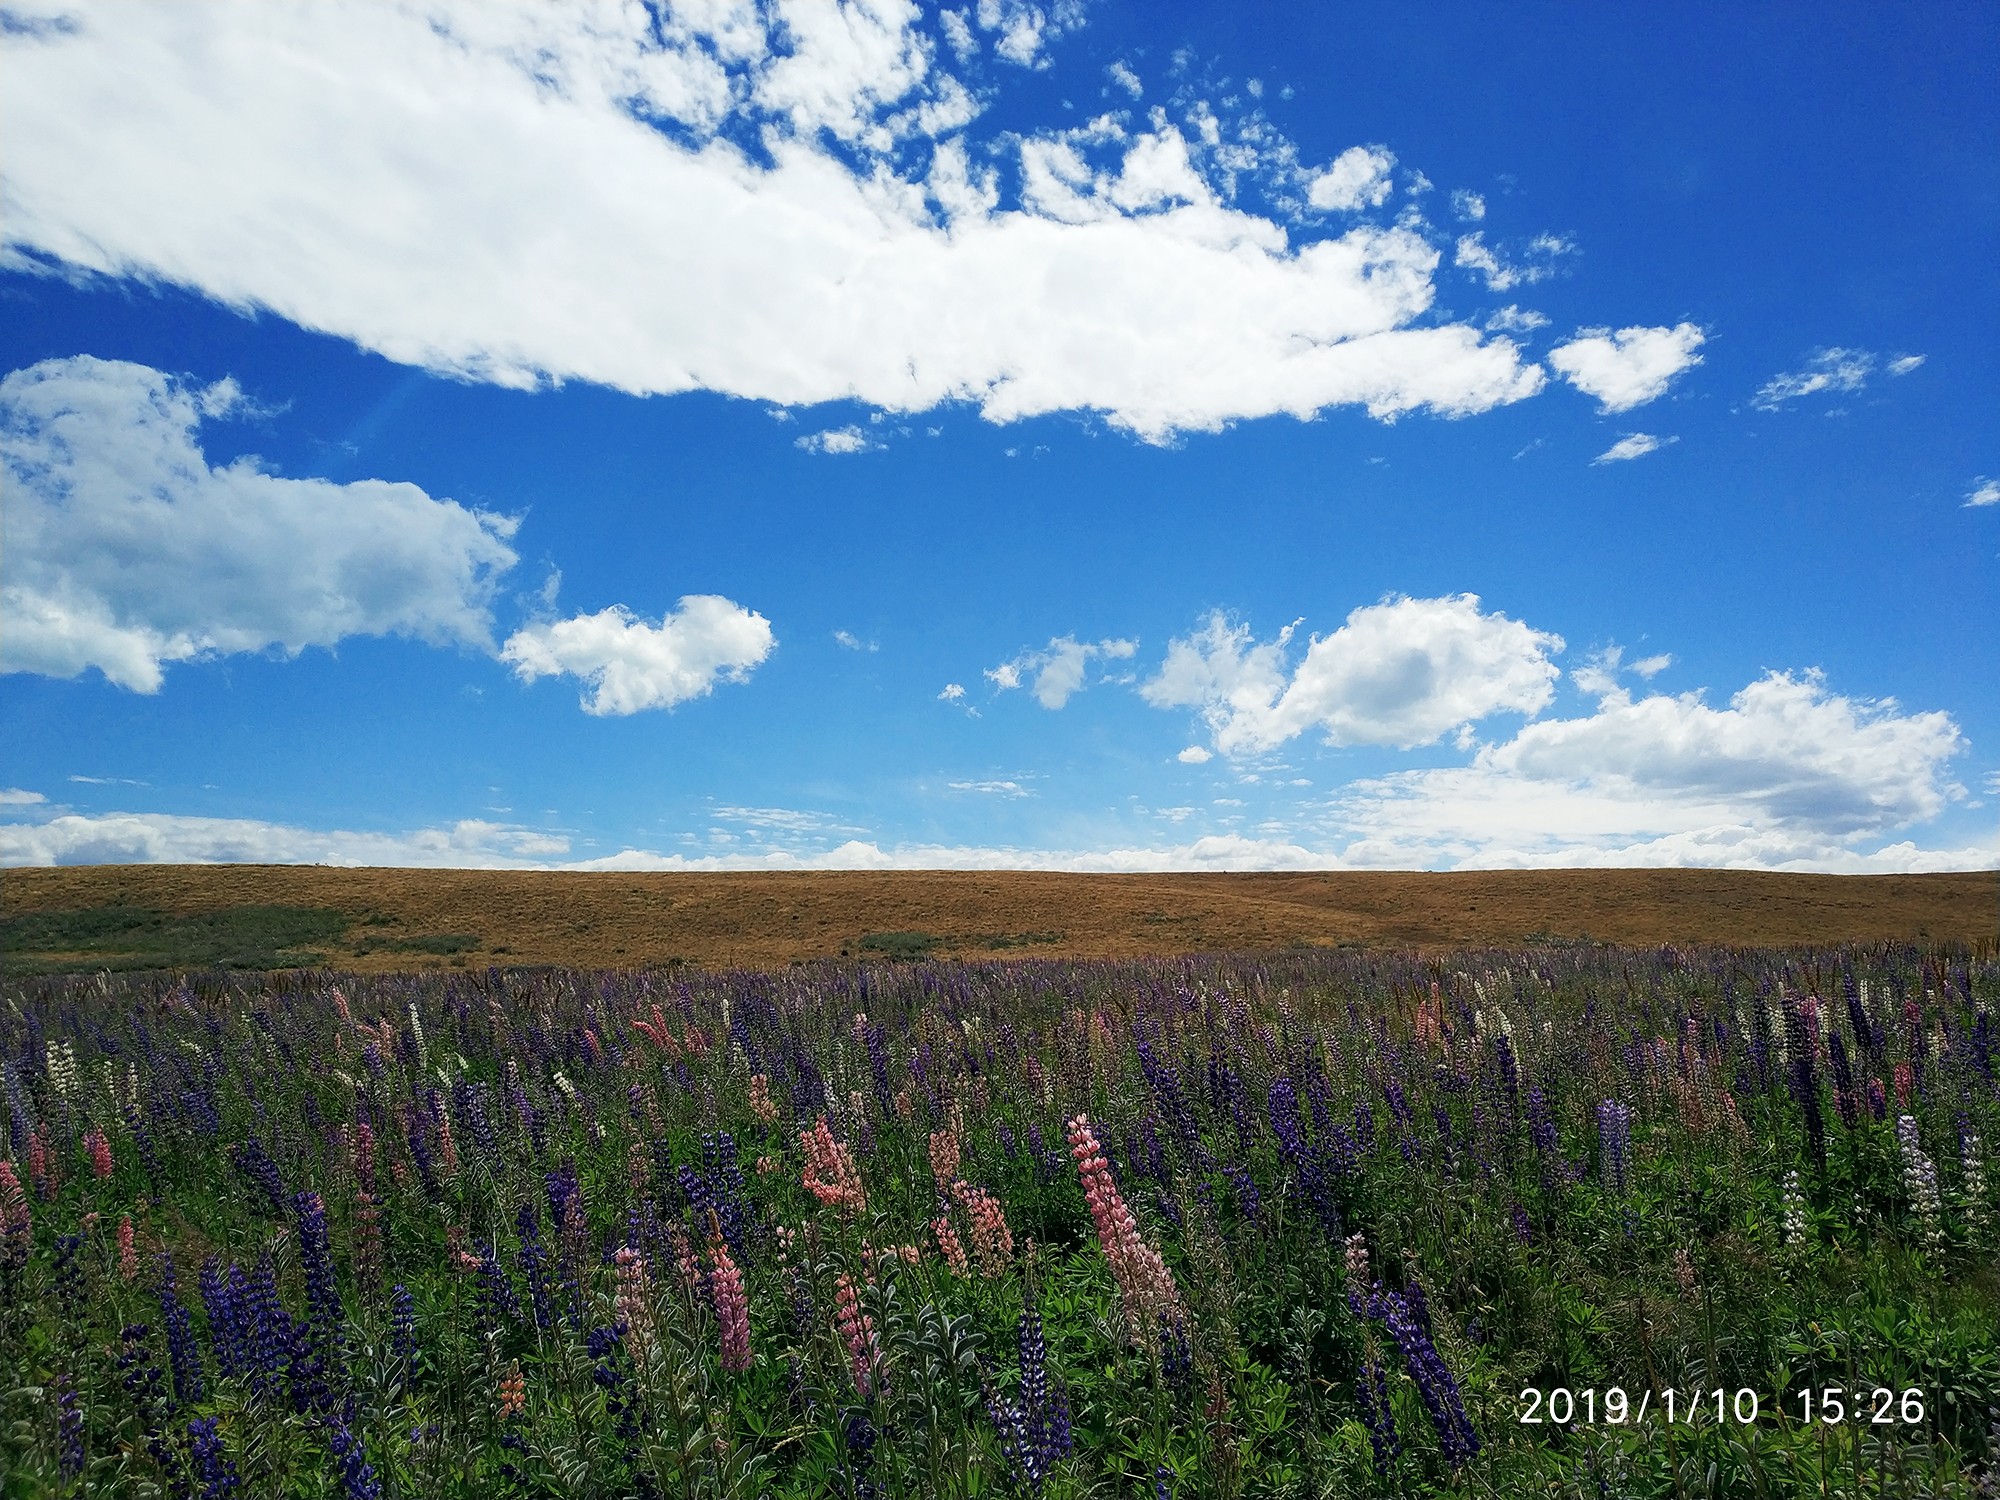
(1795, 1211)
(417, 1035)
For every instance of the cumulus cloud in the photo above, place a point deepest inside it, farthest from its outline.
(1627, 368)
(1404, 672)
(1788, 775)
(1536, 263)
(1059, 669)
(1195, 755)
(14, 796)
(1984, 491)
(848, 439)
(1632, 445)
(1599, 675)
(1122, 74)
(127, 550)
(630, 665)
(1468, 205)
(1358, 178)
(520, 195)
(1836, 370)
(954, 692)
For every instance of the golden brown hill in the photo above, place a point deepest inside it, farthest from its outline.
(373, 919)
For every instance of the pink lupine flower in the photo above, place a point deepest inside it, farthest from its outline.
(100, 1152)
(830, 1174)
(41, 1164)
(766, 1165)
(948, 1244)
(857, 1329)
(634, 1299)
(732, 1309)
(14, 1217)
(128, 1250)
(992, 1240)
(1906, 1082)
(1143, 1279)
(364, 1157)
(944, 1155)
(760, 1098)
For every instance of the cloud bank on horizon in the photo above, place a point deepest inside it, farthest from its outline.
(877, 207)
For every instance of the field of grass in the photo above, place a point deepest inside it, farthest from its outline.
(84, 919)
(1568, 1221)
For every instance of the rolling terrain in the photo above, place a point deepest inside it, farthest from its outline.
(377, 920)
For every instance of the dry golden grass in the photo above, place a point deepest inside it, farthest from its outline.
(770, 920)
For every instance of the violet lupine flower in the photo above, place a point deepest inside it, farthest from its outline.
(69, 1429)
(1843, 1081)
(1034, 1427)
(533, 1260)
(1878, 1101)
(214, 1470)
(1614, 1144)
(257, 1168)
(225, 1327)
(183, 1357)
(496, 1292)
(267, 1326)
(1434, 1382)
(357, 1476)
(1244, 1186)
(403, 1327)
(1802, 1075)
(859, 1435)
(1371, 1390)
(323, 1308)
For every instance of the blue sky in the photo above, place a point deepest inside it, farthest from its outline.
(1022, 435)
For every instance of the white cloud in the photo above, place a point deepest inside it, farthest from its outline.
(954, 692)
(1404, 672)
(160, 838)
(1836, 370)
(991, 788)
(126, 550)
(1903, 364)
(13, 796)
(1984, 491)
(1598, 676)
(959, 35)
(1058, 669)
(1358, 178)
(1195, 755)
(1468, 205)
(520, 195)
(854, 642)
(1025, 28)
(1122, 74)
(1789, 775)
(1633, 445)
(1538, 262)
(848, 439)
(631, 665)
(1627, 368)
(1515, 320)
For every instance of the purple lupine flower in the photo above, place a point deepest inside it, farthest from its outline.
(256, 1166)
(1802, 1074)
(1878, 1101)
(357, 1475)
(214, 1470)
(496, 1291)
(323, 1307)
(403, 1326)
(533, 1260)
(1843, 1081)
(858, 1434)
(1614, 1144)
(69, 1429)
(1371, 1390)
(225, 1327)
(1177, 1358)
(1244, 1186)
(183, 1356)
(267, 1326)
(1433, 1380)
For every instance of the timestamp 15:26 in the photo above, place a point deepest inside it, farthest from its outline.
(1615, 1406)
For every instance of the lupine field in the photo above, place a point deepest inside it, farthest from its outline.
(1561, 1221)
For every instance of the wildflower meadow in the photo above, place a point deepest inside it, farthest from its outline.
(1564, 1221)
